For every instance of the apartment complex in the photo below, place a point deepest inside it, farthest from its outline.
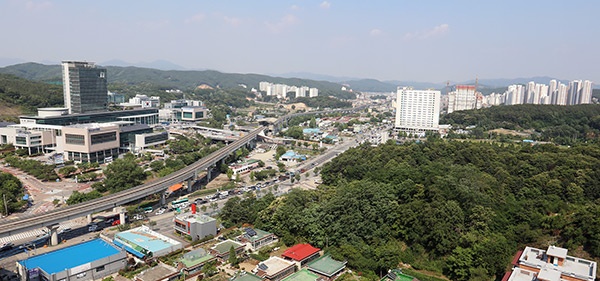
(84, 87)
(417, 110)
(556, 93)
(281, 90)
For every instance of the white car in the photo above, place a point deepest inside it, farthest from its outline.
(160, 211)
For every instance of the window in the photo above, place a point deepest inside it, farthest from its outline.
(74, 139)
(21, 140)
(100, 268)
(103, 138)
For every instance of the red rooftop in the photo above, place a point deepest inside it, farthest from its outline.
(301, 253)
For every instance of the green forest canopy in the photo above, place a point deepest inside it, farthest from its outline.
(461, 208)
(556, 123)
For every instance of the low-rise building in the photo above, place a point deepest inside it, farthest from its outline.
(291, 156)
(552, 264)
(195, 225)
(301, 254)
(246, 276)
(275, 269)
(221, 250)
(303, 275)
(93, 142)
(143, 242)
(256, 238)
(245, 167)
(192, 262)
(160, 272)
(326, 267)
(397, 275)
(91, 260)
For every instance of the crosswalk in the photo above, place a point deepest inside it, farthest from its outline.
(36, 232)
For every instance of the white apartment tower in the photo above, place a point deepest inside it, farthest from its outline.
(84, 87)
(463, 98)
(417, 110)
(313, 92)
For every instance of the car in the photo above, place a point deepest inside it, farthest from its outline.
(93, 227)
(160, 211)
(6, 246)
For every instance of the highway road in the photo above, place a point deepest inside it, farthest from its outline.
(9, 227)
(12, 226)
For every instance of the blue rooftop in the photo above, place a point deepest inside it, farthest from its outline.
(59, 260)
(144, 240)
(311, 131)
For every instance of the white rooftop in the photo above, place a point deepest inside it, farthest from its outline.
(275, 265)
(572, 266)
(549, 274)
(557, 252)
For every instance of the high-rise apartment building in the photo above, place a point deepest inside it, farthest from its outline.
(417, 110)
(84, 87)
(463, 98)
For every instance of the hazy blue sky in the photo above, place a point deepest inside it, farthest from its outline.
(430, 41)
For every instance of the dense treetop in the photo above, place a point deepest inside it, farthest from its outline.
(556, 123)
(461, 208)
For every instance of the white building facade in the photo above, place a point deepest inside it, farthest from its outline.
(417, 110)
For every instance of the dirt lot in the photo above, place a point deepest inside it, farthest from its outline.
(512, 132)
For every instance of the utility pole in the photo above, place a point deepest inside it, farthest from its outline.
(5, 206)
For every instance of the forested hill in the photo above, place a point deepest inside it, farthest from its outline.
(184, 80)
(24, 96)
(556, 123)
(458, 208)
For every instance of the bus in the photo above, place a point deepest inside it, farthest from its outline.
(181, 203)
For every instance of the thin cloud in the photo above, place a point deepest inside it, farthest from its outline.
(430, 33)
(285, 22)
(295, 8)
(233, 21)
(195, 18)
(325, 5)
(375, 32)
(38, 5)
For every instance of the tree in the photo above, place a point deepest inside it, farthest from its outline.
(67, 171)
(123, 173)
(233, 260)
(312, 123)
(229, 174)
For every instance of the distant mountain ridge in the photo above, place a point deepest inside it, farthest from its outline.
(180, 79)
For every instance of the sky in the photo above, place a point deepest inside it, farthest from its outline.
(427, 41)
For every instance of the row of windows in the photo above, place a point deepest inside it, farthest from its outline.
(103, 138)
(75, 139)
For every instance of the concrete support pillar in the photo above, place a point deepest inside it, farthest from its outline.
(208, 174)
(163, 199)
(89, 218)
(53, 230)
(122, 218)
(190, 183)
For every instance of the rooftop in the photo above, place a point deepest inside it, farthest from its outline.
(299, 252)
(274, 265)
(397, 275)
(156, 273)
(147, 239)
(226, 245)
(92, 125)
(245, 276)
(196, 257)
(302, 275)
(580, 268)
(73, 256)
(254, 234)
(189, 217)
(327, 266)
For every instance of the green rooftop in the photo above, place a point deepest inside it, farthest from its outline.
(195, 257)
(327, 266)
(259, 235)
(302, 275)
(247, 277)
(397, 275)
(226, 245)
